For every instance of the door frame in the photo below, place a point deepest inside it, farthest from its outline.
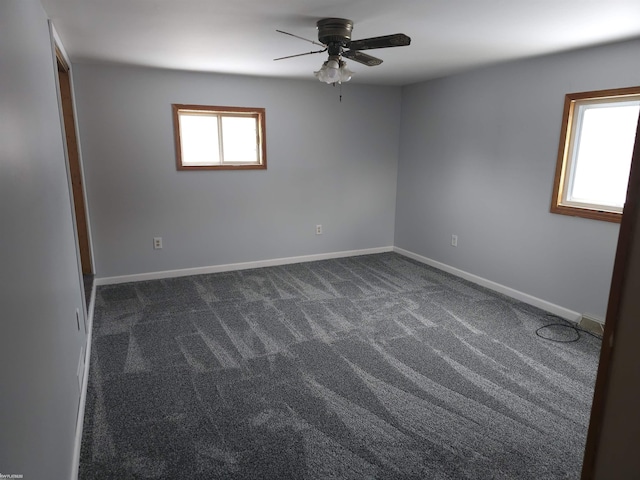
(621, 302)
(73, 160)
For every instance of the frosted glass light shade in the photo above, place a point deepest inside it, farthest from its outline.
(334, 71)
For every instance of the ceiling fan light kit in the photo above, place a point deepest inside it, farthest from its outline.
(334, 70)
(335, 35)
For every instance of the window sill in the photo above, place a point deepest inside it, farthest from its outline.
(222, 167)
(587, 213)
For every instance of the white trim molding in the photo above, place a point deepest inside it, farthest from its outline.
(230, 267)
(497, 287)
(85, 383)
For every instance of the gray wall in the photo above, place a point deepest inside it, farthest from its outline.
(39, 279)
(478, 156)
(329, 163)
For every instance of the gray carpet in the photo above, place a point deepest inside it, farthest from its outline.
(357, 368)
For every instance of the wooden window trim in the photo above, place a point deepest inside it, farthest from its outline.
(564, 151)
(258, 113)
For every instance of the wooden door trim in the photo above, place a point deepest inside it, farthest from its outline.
(620, 268)
(73, 155)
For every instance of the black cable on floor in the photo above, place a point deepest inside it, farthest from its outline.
(575, 328)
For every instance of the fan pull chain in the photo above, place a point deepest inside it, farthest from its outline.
(334, 86)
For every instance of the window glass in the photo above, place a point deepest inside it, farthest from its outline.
(239, 139)
(603, 155)
(199, 139)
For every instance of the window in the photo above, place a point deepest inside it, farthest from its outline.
(219, 138)
(594, 156)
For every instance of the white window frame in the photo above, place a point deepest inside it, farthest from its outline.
(569, 138)
(221, 112)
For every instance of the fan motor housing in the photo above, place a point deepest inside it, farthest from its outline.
(334, 30)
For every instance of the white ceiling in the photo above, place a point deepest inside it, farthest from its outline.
(239, 36)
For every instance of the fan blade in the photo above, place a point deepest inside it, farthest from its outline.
(301, 38)
(397, 40)
(299, 55)
(362, 58)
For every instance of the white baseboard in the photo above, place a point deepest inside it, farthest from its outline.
(497, 287)
(510, 292)
(83, 391)
(516, 294)
(237, 266)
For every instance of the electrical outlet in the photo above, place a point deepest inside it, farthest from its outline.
(318, 229)
(454, 240)
(157, 243)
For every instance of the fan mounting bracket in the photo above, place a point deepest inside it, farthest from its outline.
(334, 31)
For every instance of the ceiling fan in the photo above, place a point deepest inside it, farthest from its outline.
(334, 34)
